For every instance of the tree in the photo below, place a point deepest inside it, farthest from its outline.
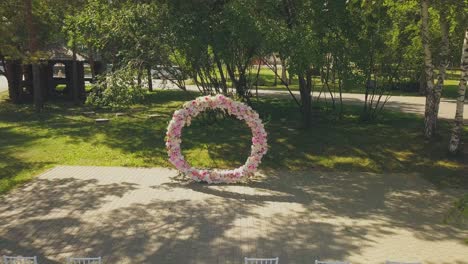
(431, 101)
(448, 12)
(193, 29)
(457, 130)
(302, 53)
(371, 53)
(12, 45)
(291, 27)
(444, 60)
(28, 28)
(239, 40)
(33, 48)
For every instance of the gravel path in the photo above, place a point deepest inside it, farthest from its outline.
(137, 215)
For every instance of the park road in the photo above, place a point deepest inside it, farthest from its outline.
(405, 104)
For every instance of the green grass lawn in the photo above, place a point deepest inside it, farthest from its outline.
(62, 87)
(61, 135)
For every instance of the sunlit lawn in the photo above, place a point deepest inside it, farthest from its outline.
(62, 135)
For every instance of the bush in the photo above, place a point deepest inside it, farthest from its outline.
(411, 87)
(118, 89)
(261, 81)
(458, 213)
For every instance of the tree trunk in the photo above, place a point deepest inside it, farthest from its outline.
(429, 118)
(276, 70)
(283, 71)
(444, 53)
(422, 83)
(232, 76)
(13, 73)
(369, 73)
(305, 87)
(457, 131)
(256, 77)
(92, 64)
(38, 101)
(139, 75)
(150, 79)
(221, 73)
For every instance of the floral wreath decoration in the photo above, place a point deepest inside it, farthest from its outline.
(191, 109)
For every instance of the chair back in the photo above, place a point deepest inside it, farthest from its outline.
(19, 260)
(73, 260)
(261, 260)
(330, 262)
(397, 262)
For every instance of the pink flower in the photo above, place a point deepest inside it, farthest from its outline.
(182, 117)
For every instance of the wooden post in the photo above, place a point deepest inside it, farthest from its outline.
(13, 74)
(81, 81)
(74, 82)
(49, 72)
(69, 79)
(43, 81)
(27, 82)
(74, 78)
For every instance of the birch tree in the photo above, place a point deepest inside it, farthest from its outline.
(444, 60)
(429, 118)
(454, 145)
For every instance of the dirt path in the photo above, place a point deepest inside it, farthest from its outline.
(130, 215)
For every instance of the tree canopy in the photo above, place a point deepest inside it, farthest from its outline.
(373, 44)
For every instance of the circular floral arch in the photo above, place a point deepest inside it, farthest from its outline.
(191, 109)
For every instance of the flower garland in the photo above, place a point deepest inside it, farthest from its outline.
(191, 109)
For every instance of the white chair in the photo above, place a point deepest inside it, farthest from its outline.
(330, 262)
(73, 260)
(397, 262)
(261, 260)
(19, 260)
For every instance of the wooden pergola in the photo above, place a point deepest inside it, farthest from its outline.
(19, 76)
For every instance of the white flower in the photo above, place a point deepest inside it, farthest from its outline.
(183, 117)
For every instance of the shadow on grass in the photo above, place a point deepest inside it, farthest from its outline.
(393, 143)
(13, 169)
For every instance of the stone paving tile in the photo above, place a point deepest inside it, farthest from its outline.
(151, 215)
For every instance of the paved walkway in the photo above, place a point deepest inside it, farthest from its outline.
(406, 104)
(131, 215)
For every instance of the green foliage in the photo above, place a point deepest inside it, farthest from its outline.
(458, 213)
(48, 16)
(116, 90)
(216, 42)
